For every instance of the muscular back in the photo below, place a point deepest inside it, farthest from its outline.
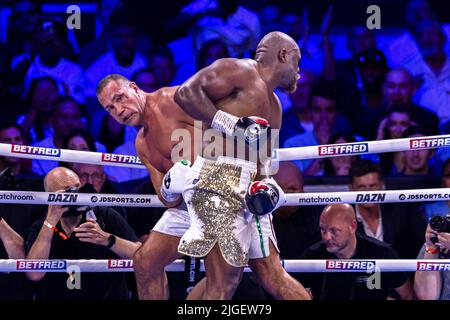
(234, 86)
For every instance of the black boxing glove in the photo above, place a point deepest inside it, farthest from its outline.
(264, 197)
(248, 129)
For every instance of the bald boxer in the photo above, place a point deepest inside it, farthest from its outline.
(240, 89)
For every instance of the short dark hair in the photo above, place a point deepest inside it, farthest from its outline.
(36, 81)
(361, 167)
(399, 108)
(63, 99)
(328, 169)
(80, 132)
(323, 90)
(413, 130)
(6, 124)
(164, 52)
(106, 80)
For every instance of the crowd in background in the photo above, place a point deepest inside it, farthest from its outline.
(355, 85)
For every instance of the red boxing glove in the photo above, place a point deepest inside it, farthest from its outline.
(264, 197)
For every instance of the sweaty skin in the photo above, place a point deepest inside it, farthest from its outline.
(243, 94)
(241, 87)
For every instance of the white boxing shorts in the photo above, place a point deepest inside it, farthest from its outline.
(216, 206)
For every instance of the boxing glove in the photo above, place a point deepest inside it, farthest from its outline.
(264, 197)
(176, 180)
(248, 129)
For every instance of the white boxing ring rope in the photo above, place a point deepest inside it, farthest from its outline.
(330, 265)
(294, 199)
(285, 154)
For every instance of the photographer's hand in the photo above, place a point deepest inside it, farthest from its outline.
(444, 240)
(91, 232)
(430, 233)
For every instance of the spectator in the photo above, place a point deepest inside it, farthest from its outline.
(12, 246)
(441, 208)
(433, 285)
(123, 174)
(372, 68)
(12, 133)
(100, 233)
(339, 166)
(238, 27)
(270, 16)
(43, 93)
(397, 121)
(295, 226)
(417, 161)
(123, 57)
(346, 73)
(432, 69)
(65, 116)
(403, 49)
(398, 89)
(11, 101)
(392, 223)
(297, 119)
(24, 23)
(79, 139)
(14, 226)
(322, 106)
(211, 51)
(340, 240)
(93, 174)
(163, 65)
(50, 61)
(113, 134)
(145, 79)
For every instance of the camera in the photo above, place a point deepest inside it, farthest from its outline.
(439, 224)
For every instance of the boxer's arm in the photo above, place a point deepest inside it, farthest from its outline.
(197, 96)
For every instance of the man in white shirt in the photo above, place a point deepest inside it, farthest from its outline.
(50, 62)
(432, 69)
(122, 58)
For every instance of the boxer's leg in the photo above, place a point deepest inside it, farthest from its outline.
(275, 280)
(149, 261)
(222, 279)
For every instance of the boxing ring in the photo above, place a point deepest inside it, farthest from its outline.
(293, 199)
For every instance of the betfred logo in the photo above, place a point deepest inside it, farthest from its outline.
(356, 148)
(48, 152)
(120, 264)
(41, 265)
(350, 265)
(433, 266)
(427, 143)
(120, 158)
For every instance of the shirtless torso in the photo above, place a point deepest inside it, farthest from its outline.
(163, 116)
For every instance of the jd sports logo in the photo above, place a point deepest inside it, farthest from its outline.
(167, 181)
